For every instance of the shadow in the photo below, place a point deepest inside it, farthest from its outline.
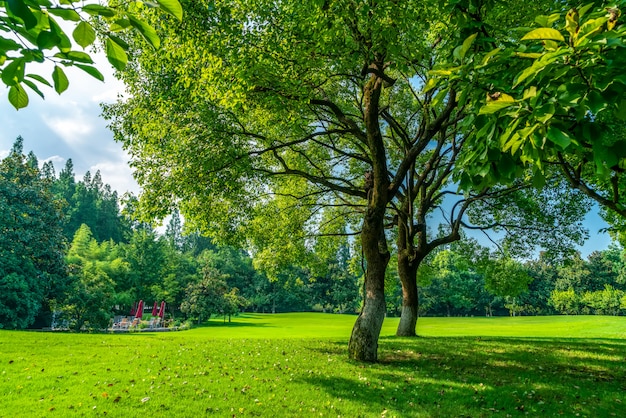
(233, 324)
(432, 376)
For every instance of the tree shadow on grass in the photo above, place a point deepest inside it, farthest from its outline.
(471, 376)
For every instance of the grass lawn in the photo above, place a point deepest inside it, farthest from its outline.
(296, 365)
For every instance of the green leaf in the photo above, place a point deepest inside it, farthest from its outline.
(65, 14)
(539, 180)
(544, 112)
(529, 93)
(8, 45)
(430, 84)
(539, 65)
(493, 106)
(490, 55)
(543, 34)
(584, 9)
(60, 79)
(92, 71)
(547, 21)
(440, 73)
(47, 39)
(595, 101)
(146, 31)
(120, 42)
(559, 137)
(620, 111)
(172, 7)
(533, 55)
(40, 79)
(460, 51)
(64, 44)
(77, 56)
(19, 9)
(18, 97)
(589, 28)
(34, 88)
(13, 73)
(84, 34)
(119, 25)
(116, 54)
(98, 10)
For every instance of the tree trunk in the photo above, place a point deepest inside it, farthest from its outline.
(363, 344)
(408, 262)
(410, 300)
(364, 339)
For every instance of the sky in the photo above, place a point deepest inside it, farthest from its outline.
(70, 126)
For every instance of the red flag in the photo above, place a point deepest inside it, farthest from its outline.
(162, 310)
(139, 312)
(154, 309)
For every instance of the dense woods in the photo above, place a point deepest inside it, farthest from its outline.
(71, 247)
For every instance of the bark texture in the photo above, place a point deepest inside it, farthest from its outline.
(363, 344)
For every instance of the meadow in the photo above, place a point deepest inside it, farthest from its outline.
(295, 365)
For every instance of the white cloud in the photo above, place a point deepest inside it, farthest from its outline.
(3, 153)
(74, 131)
(118, 175)
(55, 159)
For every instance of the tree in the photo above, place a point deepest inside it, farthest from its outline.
(566, 301)
(146, 255)
(31, 243)
(32, 34)
(93, 203)
(326, 105)
(205, 297)
(507, 278)
(94, 270)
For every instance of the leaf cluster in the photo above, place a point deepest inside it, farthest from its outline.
(33, 32)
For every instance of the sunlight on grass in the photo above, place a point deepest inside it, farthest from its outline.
(296, 365)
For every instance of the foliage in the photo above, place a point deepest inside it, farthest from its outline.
(608, 301)
(507, 277)
(33, 34)
(558, 103)
(210, 296)
(31, 243)
(94, 268)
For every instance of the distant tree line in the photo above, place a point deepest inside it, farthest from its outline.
(69, 249)
(464, 279)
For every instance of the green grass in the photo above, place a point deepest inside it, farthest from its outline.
(296, 365)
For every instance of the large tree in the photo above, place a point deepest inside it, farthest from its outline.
(327, 104)
(31, 241)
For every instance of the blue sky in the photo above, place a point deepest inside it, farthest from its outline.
(69, 126)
